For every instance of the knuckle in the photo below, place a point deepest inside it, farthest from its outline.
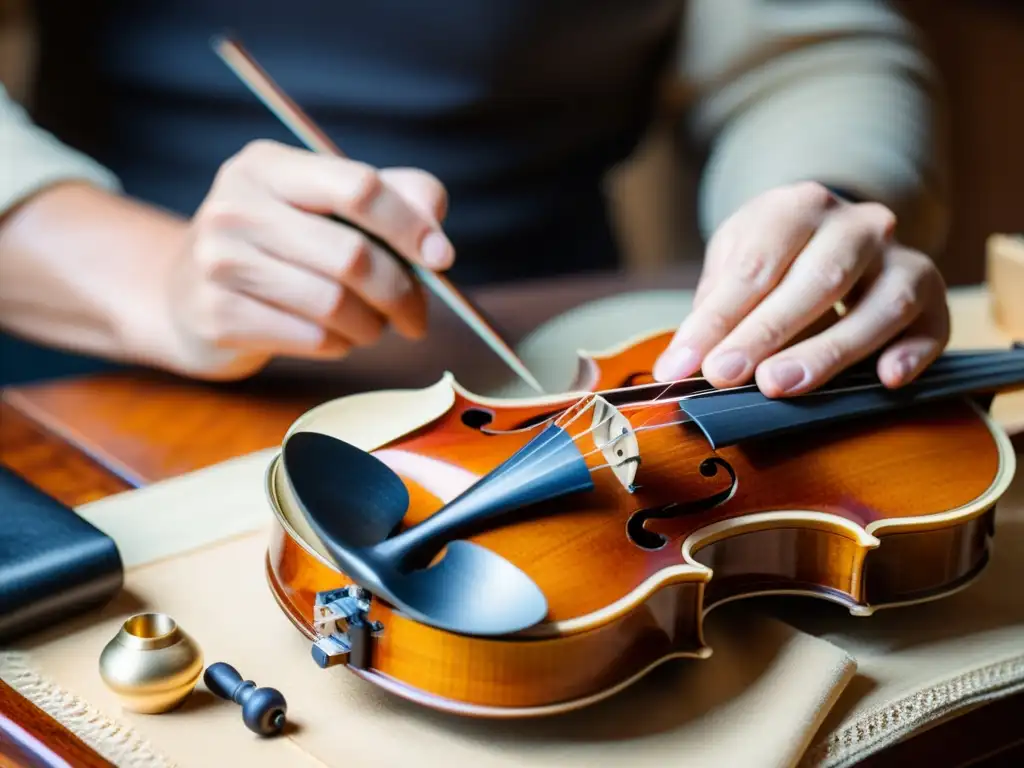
(259, 151)
(362, 184)
(395, 288)
(215, 263)
(831, 353)
(922, 268)
(767, 334)
(329, 304)
(831, 275)
(905, 302)
(881, 217)
(229, 169)
(754, 266)
(357, 261)
(252, 155)
(810, 194)
(715, 323)
(440, 192)
(220, 214)
(434, 191)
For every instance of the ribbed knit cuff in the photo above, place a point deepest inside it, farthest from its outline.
(32, 159)
(863, 130)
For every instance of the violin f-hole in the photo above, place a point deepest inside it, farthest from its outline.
(645, 539)
(477, 418)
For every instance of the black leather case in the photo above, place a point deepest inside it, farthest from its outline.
(53, 564)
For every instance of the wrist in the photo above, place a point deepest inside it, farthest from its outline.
(83, 269)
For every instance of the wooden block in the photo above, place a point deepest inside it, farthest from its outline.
(1005, 279)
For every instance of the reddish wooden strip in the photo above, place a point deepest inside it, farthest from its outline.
(23, 726)
(51, 462)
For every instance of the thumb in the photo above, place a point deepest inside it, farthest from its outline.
(422, 190)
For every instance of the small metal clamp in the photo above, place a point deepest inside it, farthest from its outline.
(344, 633)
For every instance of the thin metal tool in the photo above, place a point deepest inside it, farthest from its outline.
(288, 112)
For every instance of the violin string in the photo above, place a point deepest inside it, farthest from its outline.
(950, 353)
(934, 379)
(643, 405)
(599, 446)
(685, 419)
(534, 450)
(553, 468)
(675, 422)
(937, 379)
(652, 403)
(646, 404)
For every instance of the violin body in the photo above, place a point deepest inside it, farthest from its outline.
(869, 513)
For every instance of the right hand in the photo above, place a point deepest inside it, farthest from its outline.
(264, 273)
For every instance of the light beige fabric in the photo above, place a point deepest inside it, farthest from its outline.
(836, 91)
(756, 702)
(810, 687)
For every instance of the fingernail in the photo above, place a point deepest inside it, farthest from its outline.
(787, 375)
(436, 250)
(905, 366)
(676, 363)
(728, 365)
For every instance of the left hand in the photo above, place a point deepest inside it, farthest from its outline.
(778, 266)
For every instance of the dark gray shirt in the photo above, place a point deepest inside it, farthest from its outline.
(518, 106)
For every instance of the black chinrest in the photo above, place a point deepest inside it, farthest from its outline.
(355, 503)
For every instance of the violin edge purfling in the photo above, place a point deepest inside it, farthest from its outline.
(576, 660)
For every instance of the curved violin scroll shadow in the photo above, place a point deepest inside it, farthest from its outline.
(354, 503)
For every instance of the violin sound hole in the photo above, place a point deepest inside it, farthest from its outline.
(645, 539)
(476, 418)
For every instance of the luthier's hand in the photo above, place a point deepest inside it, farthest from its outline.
(265, 273)
(777, 266)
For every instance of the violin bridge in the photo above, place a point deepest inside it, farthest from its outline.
(344, 634)
(614, 436)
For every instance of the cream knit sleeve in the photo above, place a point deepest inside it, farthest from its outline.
(837, 91)
(32, 158)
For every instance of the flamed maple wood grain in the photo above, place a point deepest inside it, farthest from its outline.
(616, 608)
(133, 421)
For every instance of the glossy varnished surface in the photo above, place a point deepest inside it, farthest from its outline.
(50, 462)
(860, 473)
(150, 440)
(144, 426)
(810, 513)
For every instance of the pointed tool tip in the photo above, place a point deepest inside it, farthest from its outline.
(526, 376)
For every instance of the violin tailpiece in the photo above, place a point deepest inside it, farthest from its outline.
(354, 502)
(462, 576)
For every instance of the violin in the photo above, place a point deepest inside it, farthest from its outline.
(522, 557)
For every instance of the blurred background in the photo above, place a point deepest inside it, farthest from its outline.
(978, 46)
